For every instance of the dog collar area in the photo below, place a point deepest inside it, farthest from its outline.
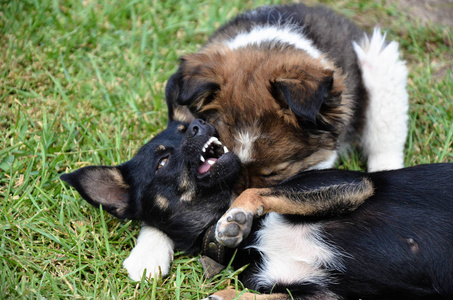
(213, 254)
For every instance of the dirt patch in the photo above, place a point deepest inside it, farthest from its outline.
(429, 11)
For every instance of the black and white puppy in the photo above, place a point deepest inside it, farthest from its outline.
(398, 244)
(351, 235)
(287, 87)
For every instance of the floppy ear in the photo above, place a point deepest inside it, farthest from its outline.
(194, 82)
(303, 95)
(101, 185)
(176, 112)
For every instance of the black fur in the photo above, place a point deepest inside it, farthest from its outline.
(141, 182)
(397, 245)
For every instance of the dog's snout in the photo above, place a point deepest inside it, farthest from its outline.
(198, 127)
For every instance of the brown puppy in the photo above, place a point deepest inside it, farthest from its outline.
(266, 107)
(287, 87)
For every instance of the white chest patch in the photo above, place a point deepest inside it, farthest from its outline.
(294, 253)
(244, 143)
(273, 34)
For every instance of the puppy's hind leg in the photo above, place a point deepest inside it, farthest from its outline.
(385, 77)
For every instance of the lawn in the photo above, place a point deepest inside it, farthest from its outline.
(82, 82)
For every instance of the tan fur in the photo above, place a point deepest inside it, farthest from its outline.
(162, 202)
(188, 196)
(181, 128)
(182, 114)
(346, 196)
(118, 178)
(244, 101)
(186, 187)
(98, 188)
(160, 148)
(230, 294)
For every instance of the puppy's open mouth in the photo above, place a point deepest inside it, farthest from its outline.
(211, 151)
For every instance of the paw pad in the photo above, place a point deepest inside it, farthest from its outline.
(234, 227)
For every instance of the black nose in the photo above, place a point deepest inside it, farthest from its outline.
(198, 127)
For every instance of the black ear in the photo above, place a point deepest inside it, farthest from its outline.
(303, 97)
(195, 90)
(102, 186)
(176, 112)
(194, 82)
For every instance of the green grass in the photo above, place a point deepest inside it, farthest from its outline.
(82, 82)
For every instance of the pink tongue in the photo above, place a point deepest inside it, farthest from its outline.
(206, 166)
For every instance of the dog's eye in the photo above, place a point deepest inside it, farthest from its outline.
(272, 174)
(267, 172)
(162, 162)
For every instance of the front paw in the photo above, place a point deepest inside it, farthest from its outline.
(153, 252)
(234, 227)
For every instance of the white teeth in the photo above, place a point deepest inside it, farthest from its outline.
(212, 140)
(209, 142)
(211, 162)
(215, 141)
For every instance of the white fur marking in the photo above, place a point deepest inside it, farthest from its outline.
(244, 141)
(153, 252)
(385, 77)
(284, 35)
(294, 253)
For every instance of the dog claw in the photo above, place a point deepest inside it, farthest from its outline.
(234, 227)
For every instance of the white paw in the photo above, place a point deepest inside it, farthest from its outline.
(153, 252)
